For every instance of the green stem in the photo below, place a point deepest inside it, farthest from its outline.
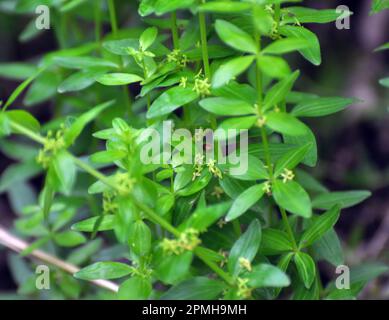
(220, 272)
(156, 218)
(265, 143)
(236, 226)
(277, 14)
(176, 42)
(98, 22)
(288, 228)
(112, 17)
(93, 172)
(114, 28)
(204, 45)
(27, 132)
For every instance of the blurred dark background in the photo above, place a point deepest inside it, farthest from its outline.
(353, 145)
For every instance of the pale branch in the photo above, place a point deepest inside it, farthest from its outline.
(14, 243)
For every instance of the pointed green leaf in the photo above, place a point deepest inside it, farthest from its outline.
(171, 100)
(321, 107)
(292, 197)
(245, 201)
(230, 70)
(245, 247)
(286, 124)
(235, 37)
(345, 199)
(306, 268)
(227, 107)
(320, 226)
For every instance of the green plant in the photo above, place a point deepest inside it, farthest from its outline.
(377, 7)
(199, 230)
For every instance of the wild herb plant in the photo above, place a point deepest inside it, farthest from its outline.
(174, 230)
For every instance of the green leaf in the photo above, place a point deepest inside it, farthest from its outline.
(227, 107)
(359, 277)
(170, 100)
(286, 45)
(291, 159)
(65, 170)
(385, 82)
(120, 47)
(245, 247)
(256, 170)
(274, 67)
(71, 5)
(108, 156)
(136, 288)
(174, 268)
(242, 123)
(88, 225)
(320, 107)
(5, 128)
(312, 53)
(76, 128)
(383, 47)
(203, 217)
(329, 248)
(286, 124)
(48, 194)
(165, 6)
(198, 288)
(245, 201)
(224, 7)
(105, 270)
(231, 69)
(83, 62)
(84, 253)
(24, 119)
(19, 172)
(308, 15)
(292, 197)
(266, 275)
(320, 226)
(147, 38)
(35, 246)
(263, 20)
(275, 242)
(199, 184)
(306, 268)
(140, 238)
(302, 293)
(279, 91)
(69, 239)
(235, 37)
(80, 80)
(346, 199)
(379, 5)
(310, 158)
(21, 87)
(17, 70)
(118, 79)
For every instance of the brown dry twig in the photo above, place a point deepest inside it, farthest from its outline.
(12, 242)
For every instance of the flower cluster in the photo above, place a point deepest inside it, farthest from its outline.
(54, 142)
(187, 241)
